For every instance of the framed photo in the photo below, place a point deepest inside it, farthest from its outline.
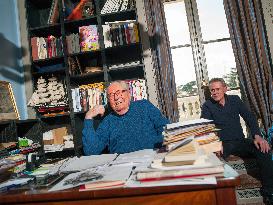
(8, 108)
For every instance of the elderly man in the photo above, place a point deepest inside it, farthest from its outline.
(130, 127)
(225, 111)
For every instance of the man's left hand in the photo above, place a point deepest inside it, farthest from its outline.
(261, 144)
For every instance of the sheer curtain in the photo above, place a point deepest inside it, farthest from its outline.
(157, 30)
(252, 55)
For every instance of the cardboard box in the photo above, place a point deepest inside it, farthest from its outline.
(58, 135)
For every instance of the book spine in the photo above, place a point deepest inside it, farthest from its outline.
(34, 48)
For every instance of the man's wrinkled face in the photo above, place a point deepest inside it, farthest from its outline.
(217, 90)
(119, 98)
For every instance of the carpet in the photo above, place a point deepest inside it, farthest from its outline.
(248, 192)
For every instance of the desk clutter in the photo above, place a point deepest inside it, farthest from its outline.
(184, 163)
(17, 157)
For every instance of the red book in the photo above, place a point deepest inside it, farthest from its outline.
(34, 48)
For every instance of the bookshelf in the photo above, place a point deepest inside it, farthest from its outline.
(83, 53)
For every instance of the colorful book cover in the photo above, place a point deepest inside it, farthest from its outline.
(89, 40)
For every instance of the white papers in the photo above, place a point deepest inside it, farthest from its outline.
(108, 173)
(65, 184)
(137, 158)
(11, 182)
(186, 123)
(87, 162)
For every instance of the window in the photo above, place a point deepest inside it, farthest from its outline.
(201, 49)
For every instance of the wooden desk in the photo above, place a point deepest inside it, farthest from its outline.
(222, 193)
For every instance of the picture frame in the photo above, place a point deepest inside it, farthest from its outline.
(8, 108)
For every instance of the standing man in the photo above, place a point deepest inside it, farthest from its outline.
(130, 127)
(225, 111)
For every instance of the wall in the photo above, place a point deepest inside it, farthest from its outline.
(11, 68)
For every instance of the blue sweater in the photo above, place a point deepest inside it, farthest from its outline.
(227, 117)
(140, 128)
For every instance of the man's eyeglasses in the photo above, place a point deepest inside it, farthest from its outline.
(117, 93)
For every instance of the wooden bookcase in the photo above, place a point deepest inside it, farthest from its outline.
(37, 21)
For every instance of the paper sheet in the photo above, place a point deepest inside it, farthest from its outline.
(86, 162)
(108, 173)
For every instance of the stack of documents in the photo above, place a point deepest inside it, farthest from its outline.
(202, 130)
(205, 165)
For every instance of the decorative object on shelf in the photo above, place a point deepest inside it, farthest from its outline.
(8, 108)
(88, 9)
(77, 11)
(49, 97)
(111, 6)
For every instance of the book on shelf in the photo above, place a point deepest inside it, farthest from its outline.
(74, 66)
(85, 97)
(53, 13)
(72, 42)
(34, 48)
(89, 39)
(106, 35)
(120, 33)
(48, 47)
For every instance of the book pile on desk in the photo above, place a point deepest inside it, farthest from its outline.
(203, 131)
(189, 154)
(205, 166)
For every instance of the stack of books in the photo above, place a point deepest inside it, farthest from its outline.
(202, 130)
(203, 166)
(189, 153)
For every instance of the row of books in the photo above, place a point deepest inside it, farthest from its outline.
(137, 89)
(85, 40)
(73, 43)
(111, 6)
(120, 33)
(85, 97)
(49, 47)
